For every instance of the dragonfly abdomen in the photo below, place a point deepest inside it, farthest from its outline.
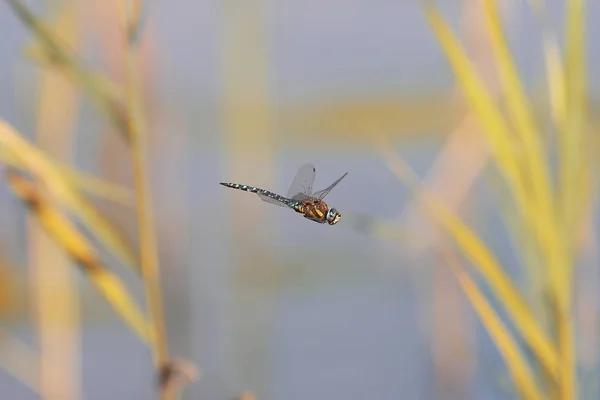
(259, 191)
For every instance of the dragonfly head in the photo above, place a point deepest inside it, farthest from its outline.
(333, 216)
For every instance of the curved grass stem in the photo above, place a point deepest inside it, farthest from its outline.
(146, 230)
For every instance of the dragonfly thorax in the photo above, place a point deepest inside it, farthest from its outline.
(318, 211)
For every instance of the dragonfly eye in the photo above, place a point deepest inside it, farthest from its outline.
(333, 216)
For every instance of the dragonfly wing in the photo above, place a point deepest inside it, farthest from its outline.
(303, 182)
(322, 193)
(271, 200)
(301, 197)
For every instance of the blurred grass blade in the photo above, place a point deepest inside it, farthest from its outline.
(572, 140)
(554, 65)
(174, 377)
(535, 161)
(509, 350)
(38, 52)
(37, 164)
(19, 360)
(79, 248)
(481, 101)
(540, 204)
(149, 261)
(133, 16)
(86, 182)
(55, 53)
(484, 261)
(509, 157)
(98, 187)
(573, 180)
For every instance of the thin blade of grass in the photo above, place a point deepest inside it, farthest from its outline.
(484, 261)
(554, 65)
(54, 292)
(98, 187)
(507, 346)
(78, 247)
(149, 264)
(535, 165)
(519, 107)
(540, 205)
(572, 175)
(20, 361)
(482, 103)
(508, 157)
(572, 182)
(85, 182)
(572, 141)
(38, 165)
(54, 52)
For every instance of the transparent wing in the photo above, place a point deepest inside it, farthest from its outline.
(271, 200)
(302, 184)
(322, 193)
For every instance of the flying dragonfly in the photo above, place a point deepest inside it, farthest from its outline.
(300, 196)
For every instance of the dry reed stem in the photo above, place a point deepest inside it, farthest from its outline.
(175, 376)
(516, 362)
(146, 229)
(455, 170)
(81, 180)
(483, 260)
(53, 287)
(54, 53)
(79, 249)
(249, 142)
(522, 159)
(573, 180)
(32, 159)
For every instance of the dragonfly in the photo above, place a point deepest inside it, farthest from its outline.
(300, 196)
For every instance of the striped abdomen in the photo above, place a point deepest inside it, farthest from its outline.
(265, 195)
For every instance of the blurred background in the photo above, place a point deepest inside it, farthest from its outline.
(256, 297)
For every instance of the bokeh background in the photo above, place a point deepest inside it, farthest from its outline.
(256, 297)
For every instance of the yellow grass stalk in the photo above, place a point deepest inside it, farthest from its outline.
(556, 232)
(554, 65)
(37, 163)
(521, 166)
(98, 187)
(54, 292)
(572, 141)
(509, 350)
(534, 160)
(498, 135)
(249, 138)
(146, 229)
(554, 242)
(484, 261)
(78, 247)
(534, 164)
(85, 182)
(573, 180)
